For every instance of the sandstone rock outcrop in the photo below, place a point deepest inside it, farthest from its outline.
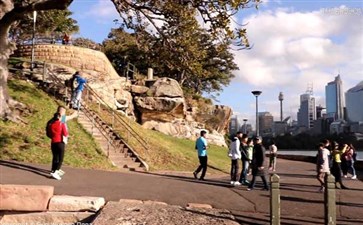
(164, 102)
(25, 197)
(47, 218)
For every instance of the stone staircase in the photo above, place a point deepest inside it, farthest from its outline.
(119, 154)
(114, 146)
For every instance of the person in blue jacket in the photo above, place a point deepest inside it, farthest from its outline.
(201, 146)
(77, 93)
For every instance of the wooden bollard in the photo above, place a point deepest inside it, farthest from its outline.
(275, 200)
(330, 213)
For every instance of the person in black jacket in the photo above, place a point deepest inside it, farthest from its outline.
(258, 161)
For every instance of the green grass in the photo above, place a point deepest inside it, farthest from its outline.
(28, 142)
(169, 153)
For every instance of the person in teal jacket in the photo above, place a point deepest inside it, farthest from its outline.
(201, 146)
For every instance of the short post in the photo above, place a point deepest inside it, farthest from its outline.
(44, 71)
(150, 75)
(330, 213)
(275, 200)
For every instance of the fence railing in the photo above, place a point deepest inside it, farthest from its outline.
(95, 102)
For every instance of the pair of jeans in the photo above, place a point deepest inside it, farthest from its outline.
(76, 99)
(203, 160)
(58, 155)
(234, 169)
(245, 165)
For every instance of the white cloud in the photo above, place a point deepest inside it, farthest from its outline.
(103, 11)
(292, 49)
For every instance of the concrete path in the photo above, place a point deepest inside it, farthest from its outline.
(300, 201)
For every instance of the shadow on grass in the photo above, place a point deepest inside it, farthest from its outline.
(4, 140)
(18, 87)
(20, 166)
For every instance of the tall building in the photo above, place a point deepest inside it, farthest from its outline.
(265, 122)
(354, 101)
(307, 111)
(335, 99)
(233, 125)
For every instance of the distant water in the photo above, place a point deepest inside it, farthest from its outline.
(312, 153)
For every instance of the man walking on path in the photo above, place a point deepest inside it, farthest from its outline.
(258, 161)
(201, 146)
(322, 165)
(245, 160)
(235, 154)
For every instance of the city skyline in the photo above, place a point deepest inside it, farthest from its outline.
(293, 43)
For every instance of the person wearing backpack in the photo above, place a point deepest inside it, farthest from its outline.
(235, 155)
(77, 92)
(57, 131)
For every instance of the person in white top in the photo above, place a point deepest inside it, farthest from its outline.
(322, 165)
(235, 154)
(273, 156)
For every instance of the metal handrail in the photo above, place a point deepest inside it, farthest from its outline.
(99, 100)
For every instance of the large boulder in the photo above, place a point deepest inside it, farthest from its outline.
(216, 117)
(48, 218)
(66, 203)
(25, 197)
(163, 102)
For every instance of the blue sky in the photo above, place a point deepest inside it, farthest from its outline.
(296, 43)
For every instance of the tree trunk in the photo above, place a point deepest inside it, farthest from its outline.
(9, 13)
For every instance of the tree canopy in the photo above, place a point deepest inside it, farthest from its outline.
(52, 23)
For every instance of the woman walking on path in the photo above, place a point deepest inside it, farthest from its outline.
(273, 156)
(58, 132)
(235, 155)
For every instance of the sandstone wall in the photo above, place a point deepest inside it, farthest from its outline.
(76, 57)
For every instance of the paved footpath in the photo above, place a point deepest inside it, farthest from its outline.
(300, 201)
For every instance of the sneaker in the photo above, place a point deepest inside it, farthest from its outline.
(61, 172)
(237, 183)
(245, 182)
(232, 182)
(354, 177)
(249, 189)
(56, 176)
(345, 176)
(195, 175)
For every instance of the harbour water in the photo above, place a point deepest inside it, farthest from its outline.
(312, 153)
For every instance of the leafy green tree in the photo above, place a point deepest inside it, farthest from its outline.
(86, 43)
(52, 23)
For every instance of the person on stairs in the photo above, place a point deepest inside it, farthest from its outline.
(77, 92)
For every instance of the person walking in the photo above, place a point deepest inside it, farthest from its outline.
(273, 155)
(258, 161)
(235, 154)
(57, 131)
(77, 92)
(245, 160)
(322, 165)
(201, 146)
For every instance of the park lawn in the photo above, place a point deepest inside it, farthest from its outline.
(28, 142)
(168, 153)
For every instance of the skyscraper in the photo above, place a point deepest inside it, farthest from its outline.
(307, 111)
(335, 99)
(354, 100)
(265, 121)
(233, 125)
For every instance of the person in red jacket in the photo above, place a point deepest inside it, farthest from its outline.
(58, 131)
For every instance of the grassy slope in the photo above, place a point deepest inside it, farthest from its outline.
(29, 143)
(170, 153)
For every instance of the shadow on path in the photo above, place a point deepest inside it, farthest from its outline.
(20, 166)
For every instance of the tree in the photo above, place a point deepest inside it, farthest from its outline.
(86, 43)
(10, 12)
(52, 23)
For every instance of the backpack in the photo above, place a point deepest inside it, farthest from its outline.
(48, 130)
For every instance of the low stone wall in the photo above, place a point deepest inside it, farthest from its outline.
(76, 57)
